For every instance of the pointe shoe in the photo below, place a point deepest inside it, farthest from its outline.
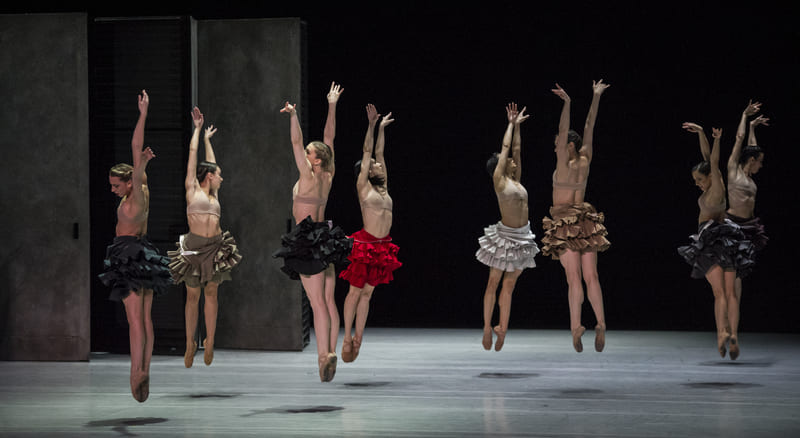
(140, 387)
(356, 347)
(487, 339)
(734, 348)
(327, 367)
(332, 360)
(723, 339)
(599, 337)
(144, 389)
(208, 354)
(188, 357)
(576, 338)
(501, 338)
(347, 350)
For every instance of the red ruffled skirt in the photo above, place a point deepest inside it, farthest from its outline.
(372, 260)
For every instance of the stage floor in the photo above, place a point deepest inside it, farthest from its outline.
(428, 383)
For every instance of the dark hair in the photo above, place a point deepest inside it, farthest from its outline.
(374, 180)
(750, 151)
(204, 168)
(703, 167)
(574, 137)
(491, 163)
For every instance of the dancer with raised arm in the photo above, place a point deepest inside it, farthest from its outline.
(374, 256)
(133, 268)
(508, 246)
(312, 249)
(205, 255)
(743, 163)
(575, 233)
(718, 249)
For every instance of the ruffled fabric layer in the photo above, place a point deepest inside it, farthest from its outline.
(133, 263)
(372, 260)
(753, 231)
(311, 246)
(199, 259)
(506, 248)
(721, 244)
(577, 227)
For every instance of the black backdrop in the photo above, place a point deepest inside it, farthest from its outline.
(447, 73)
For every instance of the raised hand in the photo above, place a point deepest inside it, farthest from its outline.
(716, 132)
(760, 120)
(558, 91)
(752, 108)
(144, 102)
(521, 117)
(692, 127)
(289, 108)
(387, 120)
(197, 118)
(210, 131)
(511, 112)
(599, 87)
(335, 92)
(372, 114)
(148, 154)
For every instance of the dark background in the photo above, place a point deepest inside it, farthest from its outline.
(446, 75)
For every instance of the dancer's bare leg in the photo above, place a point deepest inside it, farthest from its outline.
(210, 308)
(350, 305)
(148, 343)
(716, 279)
(732, 301)
(361, 316)
(333, 311)
(595, 295)
(314, 286)
(571, 261)
(134, 311)
(504, 304)
(489, 298)
(190, 315)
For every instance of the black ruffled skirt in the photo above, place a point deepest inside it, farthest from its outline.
(753, 231)
(311, 246)
(721, 244)
(132, 264)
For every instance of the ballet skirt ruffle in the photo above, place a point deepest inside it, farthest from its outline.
(577, 227)
(311, 246)
(506, 248)
(133, 263)
(372, 260)
(199, 259)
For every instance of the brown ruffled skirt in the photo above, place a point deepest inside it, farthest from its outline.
(199, 259)
(578, 227)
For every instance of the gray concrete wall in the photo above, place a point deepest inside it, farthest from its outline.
(44, 130)
(246, 69)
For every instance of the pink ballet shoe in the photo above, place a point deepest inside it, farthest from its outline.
(188, 357)
(487, 339)
(734, 348)
(576, 338)
(501, 338)
(347, 350)
(599, 337)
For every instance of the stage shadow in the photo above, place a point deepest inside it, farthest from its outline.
(721, 385)
(739, 363)
(120, 425)
(367, 384)
(295, 410)
(506, 375)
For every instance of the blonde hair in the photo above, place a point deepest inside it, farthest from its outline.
(122, 171)
(323, 153)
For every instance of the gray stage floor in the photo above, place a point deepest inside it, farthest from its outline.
(421, 382)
